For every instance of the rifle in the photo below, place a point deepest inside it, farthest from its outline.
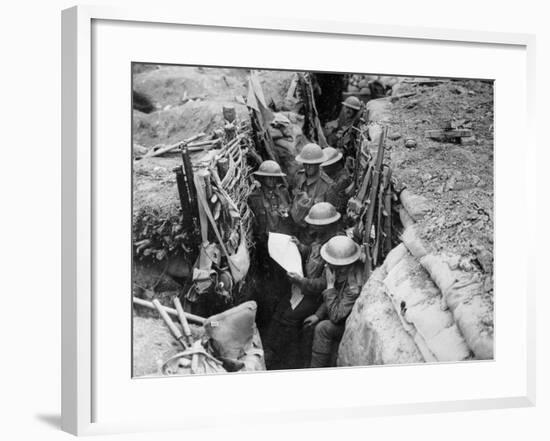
(359, 152)
(165, 149)
(378, 252)
(371, 201)
(388, 197)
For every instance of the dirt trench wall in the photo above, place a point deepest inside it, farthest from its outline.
(432, 299)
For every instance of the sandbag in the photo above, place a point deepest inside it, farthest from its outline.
(231, 331)
(463, 294)
(374, 334)
(417, 206)
(418, 301)
(412, 241)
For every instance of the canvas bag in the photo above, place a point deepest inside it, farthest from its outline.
(231, 331)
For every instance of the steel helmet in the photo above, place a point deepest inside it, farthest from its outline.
(322, 213)
(352, 102)
(332, 155)
(340, 250)
(280, 120)
(311, 154)
(269, 168)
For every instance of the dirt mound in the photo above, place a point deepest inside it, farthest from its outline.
(153, 344)
(190, 99)
(457, 179)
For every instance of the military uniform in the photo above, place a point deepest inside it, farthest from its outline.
(306, 194)
(287, 343)
(338, 197)
(335, 309)
(270, 207)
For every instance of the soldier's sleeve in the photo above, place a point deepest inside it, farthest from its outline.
(338, 309)
(321, 311)
(314, 286)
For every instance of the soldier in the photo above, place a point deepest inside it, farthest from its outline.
(339, 132)
(286, 343)
(335, 169)
(312, 185)
(270, 203)
(344, 280)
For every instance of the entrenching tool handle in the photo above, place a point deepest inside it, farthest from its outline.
(173, 328)
(190, 317)
(183, 320)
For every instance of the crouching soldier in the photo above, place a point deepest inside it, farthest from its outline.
(344, 280)
(270, 204)
(312, 185)
(335, 169)
(286, 345)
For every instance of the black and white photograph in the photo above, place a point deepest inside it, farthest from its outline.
(303, 220)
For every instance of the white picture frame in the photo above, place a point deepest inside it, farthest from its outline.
(81, 202)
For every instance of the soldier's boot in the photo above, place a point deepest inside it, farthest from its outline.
(322, 344)
(320, 359)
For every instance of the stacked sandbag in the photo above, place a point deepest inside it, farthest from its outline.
(375, 86)
(418, 302)
(464, 295)
(463, 291)
(374, 334)
(359, 83)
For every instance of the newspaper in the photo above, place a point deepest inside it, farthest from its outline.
(286, 254)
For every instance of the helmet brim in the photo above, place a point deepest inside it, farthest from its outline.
(328, 221)
(274, 175)
(299, 158)
(333, 160)
(342, 261)
(350, 106)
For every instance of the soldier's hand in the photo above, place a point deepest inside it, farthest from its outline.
(294, 240)
(295, 277)
(331, 277)
(312, 320)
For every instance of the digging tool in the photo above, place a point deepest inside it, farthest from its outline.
(190, 317)
(171, 325)
(183, 321)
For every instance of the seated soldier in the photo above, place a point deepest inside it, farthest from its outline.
(285, 344)
(335, 169)
(312, 185)
(344, 280)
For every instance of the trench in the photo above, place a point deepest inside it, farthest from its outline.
(387, 324)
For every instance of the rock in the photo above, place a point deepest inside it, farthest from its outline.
(410, 143)
(394, 136)
(469, 140)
